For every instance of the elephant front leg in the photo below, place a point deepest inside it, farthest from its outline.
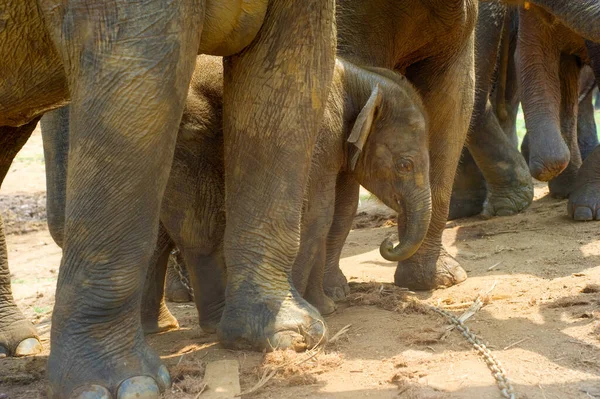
(309, 268)
(275, 92)
(129, 66)
(562, 185)
(17, 335)
(539, 62)
(448, 98)
(347, 193)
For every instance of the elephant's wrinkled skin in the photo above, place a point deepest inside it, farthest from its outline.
(584, 201)
(125, 67)
(432, 43)
(550, 56)
(374, 132)
(492, 178)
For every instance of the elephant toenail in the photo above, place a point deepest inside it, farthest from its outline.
(583, 213)
(164, 379)
(29, 346)
(141, 387)
(3, 352)
(90, 392)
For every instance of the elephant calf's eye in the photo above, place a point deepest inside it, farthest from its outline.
(404, 165)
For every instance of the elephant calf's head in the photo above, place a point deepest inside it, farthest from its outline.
(389, 156)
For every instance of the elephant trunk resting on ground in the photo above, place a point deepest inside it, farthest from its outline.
(374, 131)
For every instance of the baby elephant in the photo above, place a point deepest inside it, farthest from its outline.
(374, 131)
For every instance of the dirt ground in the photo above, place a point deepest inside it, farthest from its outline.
(542, 319)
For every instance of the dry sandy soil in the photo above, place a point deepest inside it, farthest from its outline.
(541, 320)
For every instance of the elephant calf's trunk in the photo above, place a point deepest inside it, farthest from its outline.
(416, 215)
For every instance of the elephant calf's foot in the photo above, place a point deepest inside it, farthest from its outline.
(322, 302)
(584, 202)
(426, 272)
(210, 315)
(124, 368)
(165, 321)
(17, 335)
(260, 322)
(335, 285)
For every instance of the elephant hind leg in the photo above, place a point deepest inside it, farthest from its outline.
(18, 337)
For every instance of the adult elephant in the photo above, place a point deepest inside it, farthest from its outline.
(125, 67)
(432, 43)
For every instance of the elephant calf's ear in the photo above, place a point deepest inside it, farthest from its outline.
(363, 125)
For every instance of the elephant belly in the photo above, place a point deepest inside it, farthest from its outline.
(31, 75)
(231, 25)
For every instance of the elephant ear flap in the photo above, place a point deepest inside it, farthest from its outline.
(363, 125)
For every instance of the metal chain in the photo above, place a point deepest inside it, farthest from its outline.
(177, 266)
(493, 364)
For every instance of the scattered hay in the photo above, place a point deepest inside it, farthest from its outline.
(365, 220)
(293, 371)
(187, 376)
(385, 296)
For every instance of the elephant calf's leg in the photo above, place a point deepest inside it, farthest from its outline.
(584, 201)
(156, 317)
(346, 202)
(17, 335)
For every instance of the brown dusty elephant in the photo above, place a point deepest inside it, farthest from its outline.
(125, 68)
(374, 131)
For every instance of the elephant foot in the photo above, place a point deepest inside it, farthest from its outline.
(562, 185)
(427, 272)
(86, 366)
(322, 302)
(165, 321)
(335, 285)
(584, 202)
(177, 286)
(18, 336)
(260, 322)
(507, 201)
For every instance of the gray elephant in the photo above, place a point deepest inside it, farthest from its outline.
(374, 131)
(125, 68)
